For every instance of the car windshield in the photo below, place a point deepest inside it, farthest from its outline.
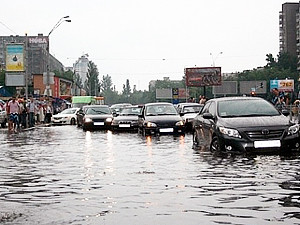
(68, 111)
(192, 109)
(130, 111)
(242, 108)
(97, 111)
(160, 110)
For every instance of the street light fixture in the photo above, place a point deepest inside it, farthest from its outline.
(61, 20)
(214, 59)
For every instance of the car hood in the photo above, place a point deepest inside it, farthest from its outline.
(125, 118)
(163, 118)
(98, 116)
(62, 115)
(240, 122)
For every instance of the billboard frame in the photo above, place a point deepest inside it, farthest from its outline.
(15, 57)
(203, 76)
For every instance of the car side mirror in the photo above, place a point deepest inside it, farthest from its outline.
(181, 114)
(285, 112)
(208, 116)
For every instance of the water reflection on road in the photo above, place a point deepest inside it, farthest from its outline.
(62, 175)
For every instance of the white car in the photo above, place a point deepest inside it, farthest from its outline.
(67, 116)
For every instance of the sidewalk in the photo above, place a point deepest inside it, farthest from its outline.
(5, 130)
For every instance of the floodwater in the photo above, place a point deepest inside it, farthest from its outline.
(63, 175)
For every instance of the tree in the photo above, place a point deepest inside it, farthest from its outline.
(126, 88)
(287, 62)
(92, 85)
(106, 83)
(107, 91)
(271, 61)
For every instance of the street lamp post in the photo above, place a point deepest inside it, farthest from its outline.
(214, 59)
(63, 19)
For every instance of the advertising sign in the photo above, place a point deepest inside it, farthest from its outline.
(175, 94)
(203, 76)
(15, 80)
(38, 41)
(227, 87)
(282, 85)
(172, 93)
(15, 57)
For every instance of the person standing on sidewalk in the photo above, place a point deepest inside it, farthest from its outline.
(31, 112)
(49, 112)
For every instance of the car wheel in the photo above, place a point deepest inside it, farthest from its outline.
(72, 121)
(195, 139)
(215, 145)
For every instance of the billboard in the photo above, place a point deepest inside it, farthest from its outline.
(15, 57)
(282, 85)
(227, 87)
(203, 76)
(170, 93)
(259, 87)
(15, 80)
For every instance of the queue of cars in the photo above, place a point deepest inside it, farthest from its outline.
(247, 124)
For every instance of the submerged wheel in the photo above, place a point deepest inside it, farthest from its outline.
(215, 145)
(195, 139)
(72, 121)
(3, 125)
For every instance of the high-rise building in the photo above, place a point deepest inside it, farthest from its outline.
(289, 36)
(81, 67)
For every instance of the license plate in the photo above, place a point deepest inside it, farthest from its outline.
(166, 130)
(267, 144)
(99, 123)
(124, 125)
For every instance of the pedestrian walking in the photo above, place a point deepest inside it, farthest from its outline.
(42, 114)
(31, 108)
(49, 112)
(13, 110)
(23, 113)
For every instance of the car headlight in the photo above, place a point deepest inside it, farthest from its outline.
(150, 124)
(108, 120)
(293, 129)
(179, 123)
(87, 120)
(230, 132)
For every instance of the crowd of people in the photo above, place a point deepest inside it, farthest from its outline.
(22, 113)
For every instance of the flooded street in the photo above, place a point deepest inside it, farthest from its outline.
(63, 175)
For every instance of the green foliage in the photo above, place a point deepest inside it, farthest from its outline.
(92, 84)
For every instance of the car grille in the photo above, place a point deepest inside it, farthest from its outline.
(98, 120)
(125, 122)
(264, 134)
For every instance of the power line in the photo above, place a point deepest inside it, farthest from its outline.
(8, 27)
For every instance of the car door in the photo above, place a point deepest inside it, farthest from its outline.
(80, 115)
(141, 118)
(209, 122)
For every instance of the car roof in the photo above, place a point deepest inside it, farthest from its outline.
(95, 106)
(189, 104)
(158, 103)
(234, 98)
(120, 105)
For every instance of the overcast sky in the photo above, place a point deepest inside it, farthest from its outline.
(147, 40)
